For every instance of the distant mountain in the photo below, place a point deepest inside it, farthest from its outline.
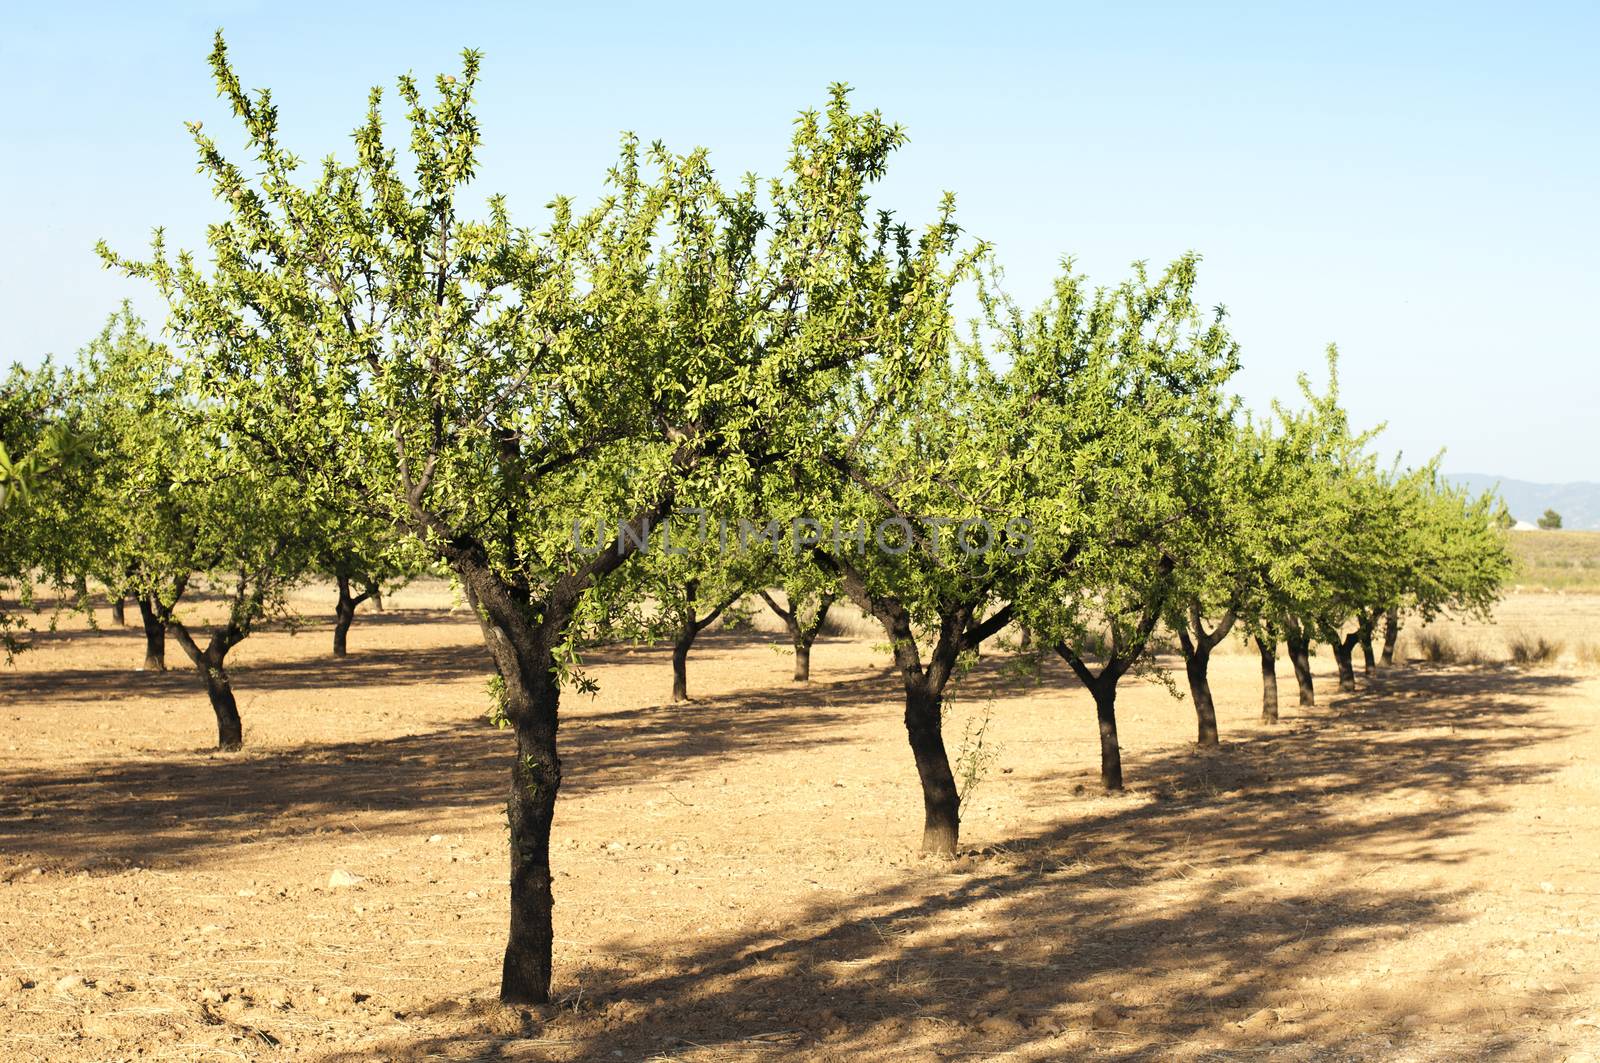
(1578, 504)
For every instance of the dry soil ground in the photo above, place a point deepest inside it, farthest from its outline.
(1405, 873)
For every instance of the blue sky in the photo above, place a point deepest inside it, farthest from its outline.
(1418, 184)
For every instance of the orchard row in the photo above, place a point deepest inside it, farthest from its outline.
(363, 376)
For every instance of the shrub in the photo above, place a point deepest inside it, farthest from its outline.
(1436, 647)
(1440, 647)
(1531, 649)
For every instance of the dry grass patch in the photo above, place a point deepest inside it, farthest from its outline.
(1533, 649)
(1442, 647)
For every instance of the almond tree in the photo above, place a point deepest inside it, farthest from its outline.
(364, 556)
(1220, 567)
(809, 595)
(1431, 549)
(1264, 549)
(42, 469)
(1273, 522)
(916, 516)
(1294, 534)
(1357, 550)
(482, 386)
(178, 500)
(1457, 557)
(1122, 393)
(133, 414)
(686, 581)
(1360, 563)
(1356, 543)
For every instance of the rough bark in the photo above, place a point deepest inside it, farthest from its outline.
(1105, 708)
(119, 614)
(1269, 680)
(211, 663)
(155, 636)
(1343, 655)
(1299, 645)
(680, 660)
(802, 662)
(344, 613)
(802, 632)
(1120, 657)
(1391, 635)
(524, 653)
(1369, 664)
(689, 627)
(530, 810)
(1197, 645)
(941, 801)
(1196, 665)
(924, 684)
(1103, 688)
(219, 688)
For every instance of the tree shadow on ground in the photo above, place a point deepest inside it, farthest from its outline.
(1123, 931)
(168, 809)
(1012, 950)
(363, 667)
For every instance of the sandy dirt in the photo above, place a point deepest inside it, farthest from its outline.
(1407, 873)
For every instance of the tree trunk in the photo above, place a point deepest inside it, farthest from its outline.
(342, 619)
(1197, 665)
(211, 663)
(1369, 665)
(1105, 707)
(1343, 651)
(377, 600)
(119, 615)
(680, 660)
(924, 690)
(1300, 656)
(1197, 645)
(344, 614)
(805, 636)
(230, 731)
(155, 638)
(802, 645)
(1269, 680)
(1391, 635)
(524, 655)
(525, 659)
(941, 801)
(802, 635)
(802, 660)
(535, 781)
